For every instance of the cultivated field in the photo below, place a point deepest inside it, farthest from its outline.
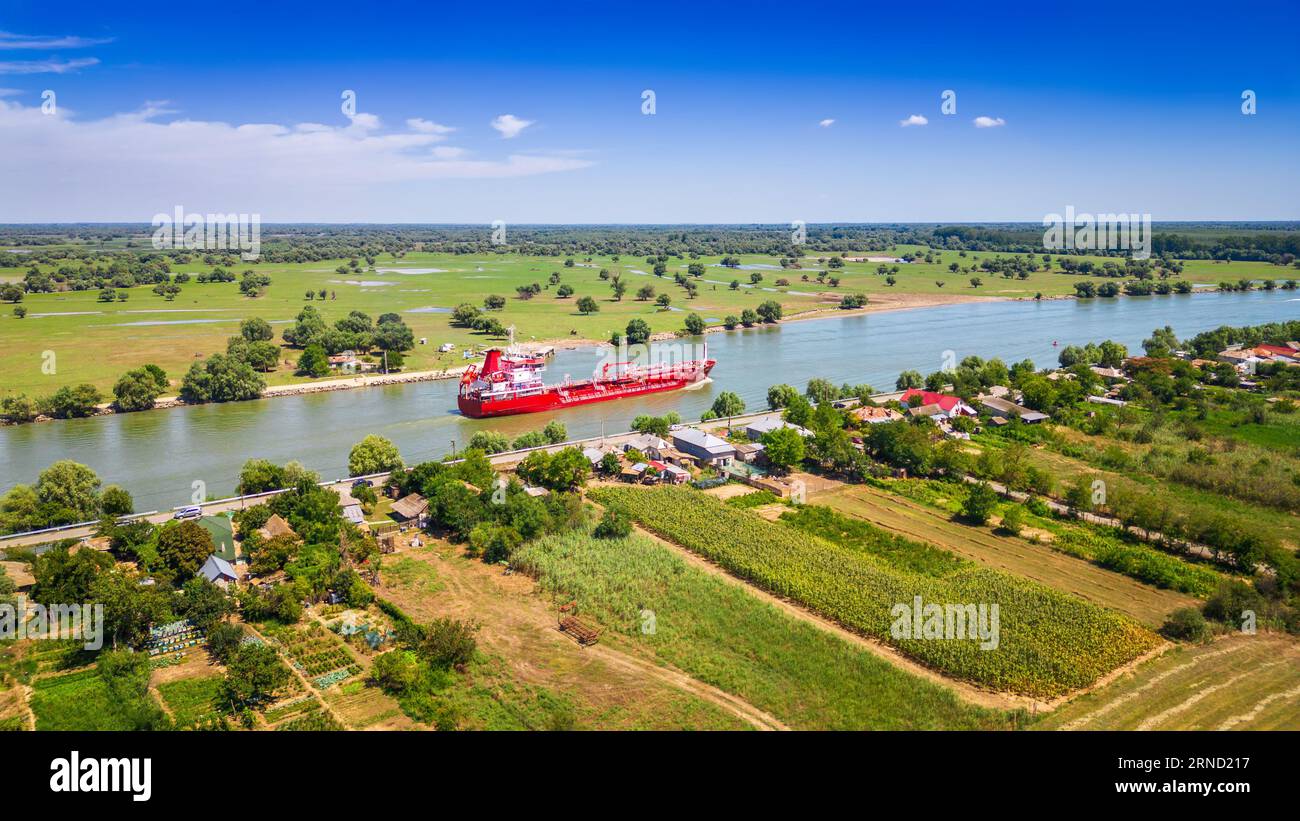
(1239, 682)
(1051, 643)
(1018, 556)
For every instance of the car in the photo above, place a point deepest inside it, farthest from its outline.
(190, 512)
(363, 483)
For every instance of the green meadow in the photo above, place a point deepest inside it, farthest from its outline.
(95, 342)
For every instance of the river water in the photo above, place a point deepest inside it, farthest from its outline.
(159, 455)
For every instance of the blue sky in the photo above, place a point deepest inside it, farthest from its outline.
(1103, 107)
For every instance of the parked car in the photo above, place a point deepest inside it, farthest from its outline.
(191, 512)
(363, 483)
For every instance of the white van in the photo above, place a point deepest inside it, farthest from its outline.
(191, 512)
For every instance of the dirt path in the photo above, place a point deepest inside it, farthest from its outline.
(518, 625)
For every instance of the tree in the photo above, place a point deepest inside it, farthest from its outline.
(116, 501)
(139, 388)
(645, 292)
(393, 335)
(11, 293)
(783, 447)
(489, 441)
(183, 547)
(253, 675)
(130, 608)
(770, 311)
(20, 312)
(821, 391)
(259, 476)
(71, 486)
(728, 404)
(587, 305)
(494, 302)
(221, 378)
(203, 603)
(19, 408)
(909, 379)
(695, 324)
(979, 503)
(313, 362)
(448, 643)
(373, 454)
(71, 402)
(224, 640)
(256, 329)
(779, 396)
(564, 291)
(638, 332)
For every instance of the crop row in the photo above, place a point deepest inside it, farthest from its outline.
(1048, 643)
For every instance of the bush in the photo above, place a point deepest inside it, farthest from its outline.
(979, 503)
(614, 524)
(448, 643)
(1186, 624)
(1013, 520)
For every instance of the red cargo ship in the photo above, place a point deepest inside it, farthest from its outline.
(510, 383)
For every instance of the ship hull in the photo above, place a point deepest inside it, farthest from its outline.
(559, 397)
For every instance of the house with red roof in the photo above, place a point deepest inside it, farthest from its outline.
(948, 404)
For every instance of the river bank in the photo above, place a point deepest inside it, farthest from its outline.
(885, 304)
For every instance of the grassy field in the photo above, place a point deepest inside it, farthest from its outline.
(1011, 554)
(78, 701)
(1051, 643)
(1239, 682)
(718, 633)
(96, 342)
(191, 700)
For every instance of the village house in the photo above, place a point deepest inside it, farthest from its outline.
(218, 571)
(873, 415)
(706, 448)
(1008, 409)
(948, 405)
(750, 453)
(411, 509)
(275, 526)
(755, 430)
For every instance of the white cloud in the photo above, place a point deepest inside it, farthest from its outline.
(50, 66)
(10, 92)
(427, 127)
(915, 119)
(989, 122)
(826, 123)
(365, 122)
(510, 126)
(132, 165)
(9, 40)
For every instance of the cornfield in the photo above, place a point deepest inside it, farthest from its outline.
(1050, 643)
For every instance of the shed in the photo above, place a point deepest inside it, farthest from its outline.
(410, 507)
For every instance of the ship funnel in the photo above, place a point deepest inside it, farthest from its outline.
(493, 362)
